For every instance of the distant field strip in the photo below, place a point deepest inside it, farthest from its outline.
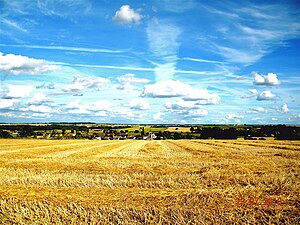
(149, 182)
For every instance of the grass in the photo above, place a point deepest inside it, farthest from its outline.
(149, 182)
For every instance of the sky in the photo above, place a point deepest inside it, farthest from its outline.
(156, 61)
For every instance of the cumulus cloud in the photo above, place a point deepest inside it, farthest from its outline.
(95, 108)
(189, 109)
(74, 105)
(257, 110)
(128, 81)
(269, 80)
(197, 113)
(46, 86)
(181, 105)
(38, 108)
(8, 103)
(284, 108)
(18, 64)
(266, 95)
(139, 104)
(166, 89)
(16, 91)
(126, 15)
(175, 88)
(81, 83)
(231, 116)
(202, 96)
(158, 116)
(101, 105)
(263, 96)
(39, 99)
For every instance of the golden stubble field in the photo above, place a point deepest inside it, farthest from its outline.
(149, 182)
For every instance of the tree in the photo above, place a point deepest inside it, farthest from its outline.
(5, 134)
(26, 131)
(192, 129)
(143, 131)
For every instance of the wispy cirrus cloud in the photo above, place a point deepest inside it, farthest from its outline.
(251, 32)
(129, 68)
(12, 24)
(65, 48)
(202, 60)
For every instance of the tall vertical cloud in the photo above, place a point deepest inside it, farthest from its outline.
(163, 43)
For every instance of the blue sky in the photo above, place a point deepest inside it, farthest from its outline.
(164, 61)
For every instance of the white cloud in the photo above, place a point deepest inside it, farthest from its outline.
(186, 108)
(197, 112)
(79, 111)
(274, 119)
(97, 108)
(101, 105)
(129, 115)
(181, 105)
(162, 38)
(158, 116)
(81, 83)
(128, 81)
(257, 110)
(38, 99)
(175, 88)
(8, 103)
(231, 116)
(242, 56)
(165, 71)
(203, 95)
(139, 104)
(74, 105)
(253, 92)
(17, 91)
(176, 6)
(126, 15)
(163, 42)
(46, 86)
(266, 95)
(166, 89)
(251, 31)
(285, 108)
(17, 64)
(13, 24)
(270, 79)
(39, 108)
(64, 48)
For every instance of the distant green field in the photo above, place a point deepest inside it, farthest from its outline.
(146, 129)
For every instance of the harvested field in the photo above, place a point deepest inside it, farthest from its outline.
(149, 182)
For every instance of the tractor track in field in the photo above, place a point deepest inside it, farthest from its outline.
(240, 146)
(71, 152)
